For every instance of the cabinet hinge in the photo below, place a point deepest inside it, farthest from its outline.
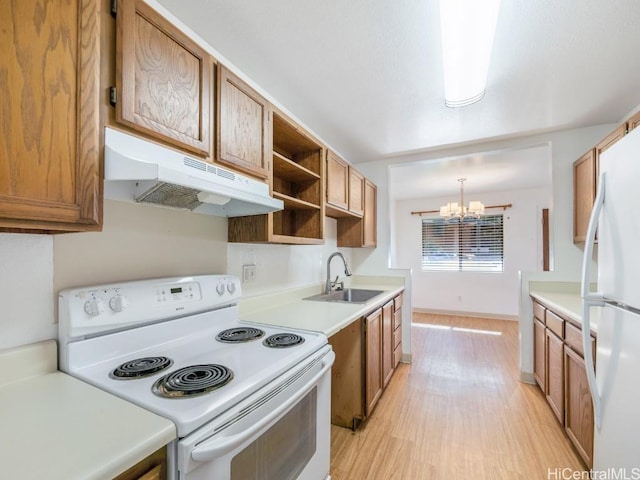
(113, 96)
(114, 8)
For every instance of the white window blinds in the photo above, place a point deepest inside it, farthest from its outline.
(473, 246)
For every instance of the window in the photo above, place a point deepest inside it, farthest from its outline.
(473, 246)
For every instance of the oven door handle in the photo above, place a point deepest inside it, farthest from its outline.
(218, 446)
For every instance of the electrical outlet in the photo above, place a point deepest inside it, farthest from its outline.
(248, 273)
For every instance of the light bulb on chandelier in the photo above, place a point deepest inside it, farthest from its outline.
(459, 212)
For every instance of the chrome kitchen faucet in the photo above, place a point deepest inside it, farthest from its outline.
(329, 284)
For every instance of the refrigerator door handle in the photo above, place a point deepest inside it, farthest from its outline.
(591, 299)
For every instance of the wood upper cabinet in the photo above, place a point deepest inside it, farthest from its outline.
(163, 79)
(337, 182)
(584, 194)
(361, 232)
(297, 180)
(633, 122)
(345, 188)
(356, 192)
(585, 182)
(50, 176)
(373, 360)
(244, 129)
(387, 342)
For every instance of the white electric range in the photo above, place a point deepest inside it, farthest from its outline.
(248, 400)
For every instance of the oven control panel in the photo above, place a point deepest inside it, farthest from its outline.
(103, 308)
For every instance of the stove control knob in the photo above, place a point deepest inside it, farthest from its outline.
(231, 287)
(94, 307)
(220, 289)
(118, 303)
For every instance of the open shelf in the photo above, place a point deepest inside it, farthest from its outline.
(298, 180)
(295, 203)
(290, 170)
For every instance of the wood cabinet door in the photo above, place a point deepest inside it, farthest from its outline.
(50, 177)
(370, 233)
(337, 181)
(539, 354)
(554, 390)
(584, 194)
(356, 192)
(244, 126)
(153, 467)
(578, 405)
(633, 122)
(387, 343)
(163, 79)
(373, 360)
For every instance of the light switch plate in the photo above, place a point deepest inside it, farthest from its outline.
(248, 273)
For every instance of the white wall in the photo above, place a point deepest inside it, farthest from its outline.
(492, 294)
(138, 241)
(26, 289)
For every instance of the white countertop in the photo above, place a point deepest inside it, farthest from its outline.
(566, 303)
(57, 427)
(291, 311)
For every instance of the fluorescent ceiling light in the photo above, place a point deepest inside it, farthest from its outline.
(467, 28)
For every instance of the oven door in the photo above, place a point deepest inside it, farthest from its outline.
(281, 432)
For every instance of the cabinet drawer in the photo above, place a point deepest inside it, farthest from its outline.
(397, 319)
(397, 337)
(555, 323)
(397, 303)
(397, 353)
(573, 339)
(538, 311)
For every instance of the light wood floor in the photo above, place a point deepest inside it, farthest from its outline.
(457, 412)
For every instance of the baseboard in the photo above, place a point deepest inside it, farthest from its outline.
(491, 316)
(405, 358)
(527, 377)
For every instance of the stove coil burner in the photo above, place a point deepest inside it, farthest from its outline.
(141, 367)
(283, 340)
(192, 381)
(240, 334)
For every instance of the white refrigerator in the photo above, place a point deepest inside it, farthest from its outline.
(615, 386)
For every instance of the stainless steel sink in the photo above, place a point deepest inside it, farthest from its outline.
(348, 295)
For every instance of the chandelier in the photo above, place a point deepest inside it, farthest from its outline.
(458, 212)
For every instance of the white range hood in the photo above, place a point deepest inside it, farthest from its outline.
(136, 170)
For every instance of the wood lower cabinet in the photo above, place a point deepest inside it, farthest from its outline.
(373, 360)
(387, 343)
(579, 406)
(539, 354)
(560, 371)
(554, 389)
(50, 175)
(164, 80)
(358, 374)
(243, 126)
(154, 467)
(397, 330)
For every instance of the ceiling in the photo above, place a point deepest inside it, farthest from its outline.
(485, 172)
(366, 75)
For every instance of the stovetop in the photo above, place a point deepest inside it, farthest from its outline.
(184, 341)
